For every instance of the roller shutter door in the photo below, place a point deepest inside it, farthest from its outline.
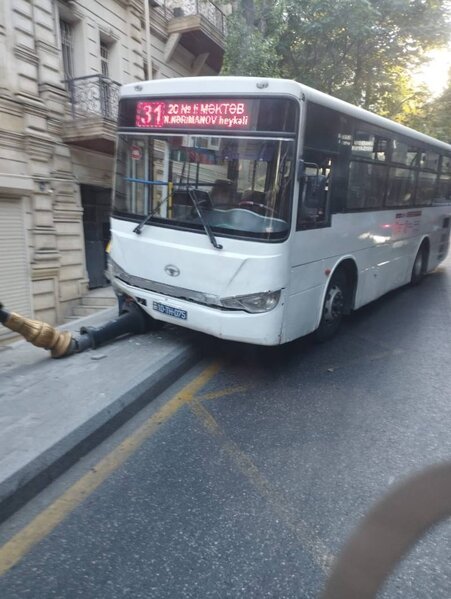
(14, 270)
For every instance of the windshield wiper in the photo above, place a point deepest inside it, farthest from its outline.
(208, 230)
(139, 227)
(192, 196)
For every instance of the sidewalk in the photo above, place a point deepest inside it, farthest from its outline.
(52, 412)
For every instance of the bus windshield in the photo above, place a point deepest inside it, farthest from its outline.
(242, 185)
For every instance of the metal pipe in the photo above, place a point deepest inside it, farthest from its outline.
(132, 320)
(148, 39)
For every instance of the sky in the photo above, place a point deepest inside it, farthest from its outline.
(434, 74)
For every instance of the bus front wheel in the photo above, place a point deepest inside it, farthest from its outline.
(334, 307)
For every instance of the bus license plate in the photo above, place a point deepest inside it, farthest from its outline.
(170, 311)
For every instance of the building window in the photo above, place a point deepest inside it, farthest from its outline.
(104, 59)
(67, 49)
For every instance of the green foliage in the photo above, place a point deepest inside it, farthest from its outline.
(434, 116)
(251, 46)
(358, 50)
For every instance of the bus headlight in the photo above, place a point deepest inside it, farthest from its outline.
(253, 303)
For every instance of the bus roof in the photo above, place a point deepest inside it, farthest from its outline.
(260, 86)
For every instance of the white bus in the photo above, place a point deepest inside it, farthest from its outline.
(261, 210)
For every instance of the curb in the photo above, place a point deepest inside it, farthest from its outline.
(30, 480)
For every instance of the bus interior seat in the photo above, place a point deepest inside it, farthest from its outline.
(181, 198)
(182, 204)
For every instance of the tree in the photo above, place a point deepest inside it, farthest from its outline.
(251, 46)
(440, 115)
(357, 50)
(433, 117)
(323, 44)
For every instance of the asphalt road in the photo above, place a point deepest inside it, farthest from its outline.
(248, 475)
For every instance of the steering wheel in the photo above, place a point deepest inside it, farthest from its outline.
(262, 206)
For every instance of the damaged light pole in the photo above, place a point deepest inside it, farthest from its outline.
(132, 319)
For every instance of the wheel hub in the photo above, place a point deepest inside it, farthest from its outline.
(333, 307)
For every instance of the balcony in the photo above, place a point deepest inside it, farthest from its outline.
(93, 105)
(199, 26)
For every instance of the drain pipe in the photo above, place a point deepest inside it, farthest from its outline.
(63, 343)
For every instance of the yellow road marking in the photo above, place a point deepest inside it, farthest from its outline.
(308, 539)
(222, 393)
(15, 549)
(43, 524)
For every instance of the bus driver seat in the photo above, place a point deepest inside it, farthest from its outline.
(221, 193)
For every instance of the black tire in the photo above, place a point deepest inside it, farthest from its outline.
(419, 267)
(334, 307)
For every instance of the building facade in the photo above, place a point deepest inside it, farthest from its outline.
(63, 63)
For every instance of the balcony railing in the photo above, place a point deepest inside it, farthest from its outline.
(93, 95)
(186, 8)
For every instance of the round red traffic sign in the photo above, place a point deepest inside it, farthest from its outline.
(136, 153)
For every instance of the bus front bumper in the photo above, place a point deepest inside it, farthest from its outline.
(234, 325)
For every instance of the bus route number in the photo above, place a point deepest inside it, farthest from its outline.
(198, 114)
(150, 114)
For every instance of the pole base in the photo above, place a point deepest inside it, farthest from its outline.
(38, 333)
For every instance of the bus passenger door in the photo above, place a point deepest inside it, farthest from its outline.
(314, 208)
(311, 245)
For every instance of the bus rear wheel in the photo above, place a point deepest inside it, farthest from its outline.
(419, 266)
(334, 307)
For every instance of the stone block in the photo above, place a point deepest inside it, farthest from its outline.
(44, 301)
(12, 167)
(43, 286)
(68, 228)
(71, 273)
(35, 121)
(44, 33)
(43, 219)
(70, 242)
(46, 315)
(42, 202)
(44, 5)
(27, 85)
(43, 240)
(71, 257)
(23, 22)
(69, 290)
(22, 8)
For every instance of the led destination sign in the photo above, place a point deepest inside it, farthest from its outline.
(194, 114)
(234, 114)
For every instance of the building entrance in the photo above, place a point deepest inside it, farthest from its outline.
(96, 203)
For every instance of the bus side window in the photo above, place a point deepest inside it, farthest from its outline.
(326, 138)
(314, 195)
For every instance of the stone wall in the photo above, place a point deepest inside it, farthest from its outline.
(36, 165)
